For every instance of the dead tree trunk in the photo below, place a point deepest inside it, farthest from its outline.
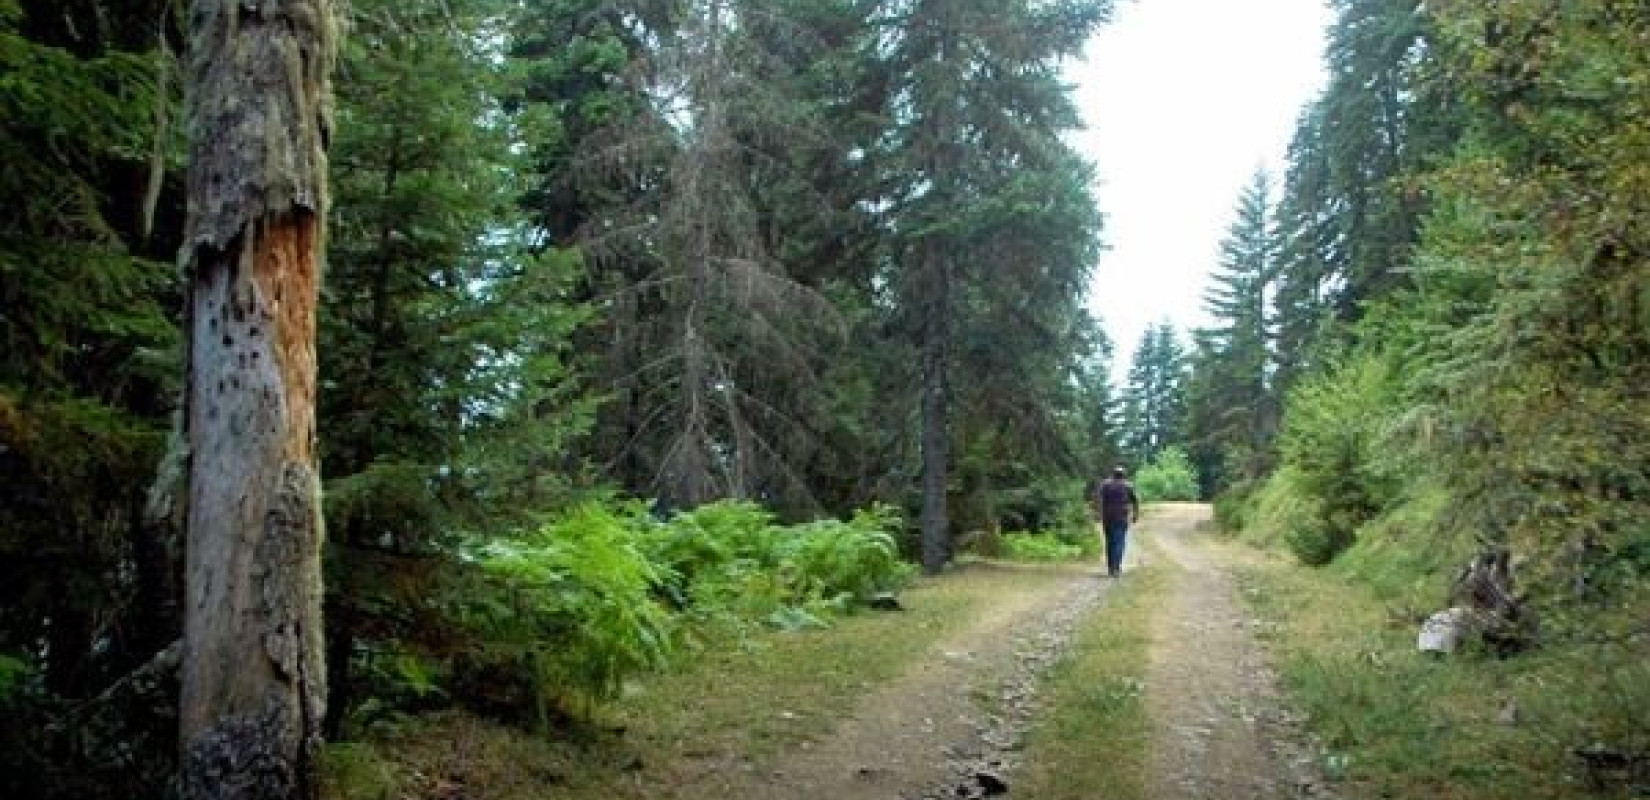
(1501, 618)
(936, 310)
(253, 666)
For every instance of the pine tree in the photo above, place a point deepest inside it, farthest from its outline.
(1534, 347)
(1350, 209)
(88, 347)
(1235, 417)
(1154, 400)
(446, 402)
(972, 93)
(699, 309)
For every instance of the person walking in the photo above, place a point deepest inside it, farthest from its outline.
(1117, 506)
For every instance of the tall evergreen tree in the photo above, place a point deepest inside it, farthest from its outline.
(699, 307)
(1350, 209)
(88, 348)
(973, 91)
(1535, 349)
(1234, 417)
(1154, 400)
(1308, 248)
(89, 354)
(445, 404)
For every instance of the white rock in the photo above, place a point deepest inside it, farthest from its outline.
(1445, 630)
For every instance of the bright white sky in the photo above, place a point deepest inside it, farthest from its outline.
(1183, 100)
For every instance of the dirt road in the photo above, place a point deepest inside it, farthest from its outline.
(1218, 729)
(952, 725)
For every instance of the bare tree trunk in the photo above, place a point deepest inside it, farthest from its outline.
(936, 524)
(253, 671)
(937, 266)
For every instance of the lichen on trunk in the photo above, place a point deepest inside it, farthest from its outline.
(253, 667)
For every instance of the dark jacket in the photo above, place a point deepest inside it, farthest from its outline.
(1117, 501)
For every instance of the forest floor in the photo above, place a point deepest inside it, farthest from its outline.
(998, 678)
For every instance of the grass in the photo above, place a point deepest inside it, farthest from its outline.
(1397, 723)
(1093, 741)
(738, 705)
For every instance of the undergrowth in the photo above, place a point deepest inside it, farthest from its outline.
(1398, 723)
(1046, 547)
(547, 624)
(675, 734)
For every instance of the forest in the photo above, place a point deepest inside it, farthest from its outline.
(643, 325)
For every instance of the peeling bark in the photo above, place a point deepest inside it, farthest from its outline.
(253, 667)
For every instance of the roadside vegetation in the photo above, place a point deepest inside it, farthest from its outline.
(1427, 382)
(729, 707)
(550, 624)
(1394, 722)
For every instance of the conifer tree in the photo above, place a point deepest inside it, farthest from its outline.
(1534, 348)
(1154, 400)
(89, 354)
(972, 93)
(1235, 417)
(445, 403)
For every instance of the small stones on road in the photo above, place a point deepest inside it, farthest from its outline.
(978, 766)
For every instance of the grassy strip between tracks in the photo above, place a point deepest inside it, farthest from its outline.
(1092, 743)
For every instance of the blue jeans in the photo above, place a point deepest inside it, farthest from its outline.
(1117, 534)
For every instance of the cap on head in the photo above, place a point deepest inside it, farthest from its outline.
(1118, 472)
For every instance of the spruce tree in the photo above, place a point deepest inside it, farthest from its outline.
(972, 93)
(1235, 417)
(1154, 400)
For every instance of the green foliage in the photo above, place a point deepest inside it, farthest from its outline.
(1021, 546)
(572, 604)
(1169, 476)
(1402, 724)
(88, 352)
(352, 771)
(730, 560)
(13, 672)
(1533, 405)
(850, 560)
(1154, 401)
(1232, 506)
(556, 620)
(1233, 406)
(1335, 448)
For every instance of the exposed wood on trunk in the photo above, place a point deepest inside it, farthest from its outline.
(253, 668)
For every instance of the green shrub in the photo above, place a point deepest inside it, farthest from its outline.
(572, 605)
(1170, 476)
(555, 620)
(353, 771)
(1074, 520)
(1334, 435)
(731, 561)
(13, 671)
(853, 560)
(1020, 546)
(1234, 506)
(1315, 541)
